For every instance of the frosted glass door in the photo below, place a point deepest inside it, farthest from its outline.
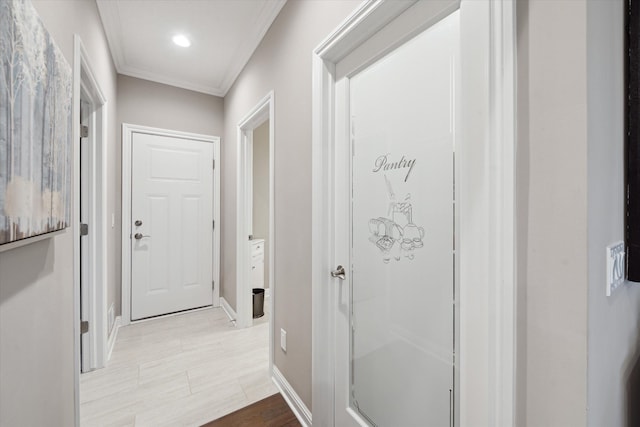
(402, 114)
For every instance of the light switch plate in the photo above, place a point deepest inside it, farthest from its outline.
(283, 339)
(616, 268)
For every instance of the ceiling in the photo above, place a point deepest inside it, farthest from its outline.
(223, 34)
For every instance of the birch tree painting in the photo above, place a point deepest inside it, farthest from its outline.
(35, 126)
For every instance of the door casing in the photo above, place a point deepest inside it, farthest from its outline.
(127, 136)
(485, 157)
(86, 86)
(263, 111)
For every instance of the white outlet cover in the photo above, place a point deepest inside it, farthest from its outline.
(616, 267)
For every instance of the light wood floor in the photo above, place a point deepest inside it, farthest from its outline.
(184, 370)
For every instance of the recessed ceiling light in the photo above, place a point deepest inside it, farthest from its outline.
(181, 40)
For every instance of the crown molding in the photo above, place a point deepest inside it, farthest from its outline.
(269, 12)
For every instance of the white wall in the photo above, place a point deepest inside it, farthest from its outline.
(36, 281)
(614, 322)
(282, 63)
(261, 191)
(552, 214)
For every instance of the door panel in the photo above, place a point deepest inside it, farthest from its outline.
(191, 207)
(397, 305)
(172, 190)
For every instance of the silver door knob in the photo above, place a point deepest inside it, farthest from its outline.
(339, 273)
(139, 236)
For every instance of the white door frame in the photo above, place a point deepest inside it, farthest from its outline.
(84, 81)
(127, 137)
(262, 112)
(485, 371)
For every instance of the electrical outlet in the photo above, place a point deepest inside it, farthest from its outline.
(283, 339)
(616, 267)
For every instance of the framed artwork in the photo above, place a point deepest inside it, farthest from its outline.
(36, 86)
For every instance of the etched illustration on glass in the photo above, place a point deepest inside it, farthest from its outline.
(35, 126)
(396, 235)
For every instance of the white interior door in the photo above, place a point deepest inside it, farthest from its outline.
(395, 220)
(171, 224)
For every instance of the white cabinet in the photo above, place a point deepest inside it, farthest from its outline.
(257, 263)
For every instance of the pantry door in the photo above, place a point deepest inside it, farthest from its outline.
(395, 213)
(414, 216)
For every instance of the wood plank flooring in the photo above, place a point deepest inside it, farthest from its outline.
(184, 370)
(270, 412)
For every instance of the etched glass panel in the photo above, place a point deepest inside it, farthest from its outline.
(402, 339)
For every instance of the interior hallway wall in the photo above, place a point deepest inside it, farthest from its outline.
(578, 350)
(614, 322)
(261, 191)
(282, 63)
(552, 213)
(147, 103)
(36, 281)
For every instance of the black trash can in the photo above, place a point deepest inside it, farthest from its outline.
(258, 302)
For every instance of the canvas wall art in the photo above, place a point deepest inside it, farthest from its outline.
(35, 126)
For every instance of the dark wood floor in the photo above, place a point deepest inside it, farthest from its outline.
(270, 412)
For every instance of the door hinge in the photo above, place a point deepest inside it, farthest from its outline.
(84, 326)
(214, 163)
(214, 224)
(213, 284)
(84, 229)
(84, 131)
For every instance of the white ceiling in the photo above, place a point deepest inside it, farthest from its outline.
(223, 33)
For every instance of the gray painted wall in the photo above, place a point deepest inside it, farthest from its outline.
(576, 347)
(142, 102)
(282, 63)
(613, 339)
(552, 220)
(36, 281)
(261, 191)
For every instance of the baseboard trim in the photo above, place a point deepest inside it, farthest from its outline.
(227, 309)
(111, 342)
(300, 410)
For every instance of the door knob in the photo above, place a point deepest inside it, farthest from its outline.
(139, 236)
(339, 273)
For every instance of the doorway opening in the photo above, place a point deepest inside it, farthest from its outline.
(346, 157)
(90, 206)
(170, 222)
(92, 326)
(255, 243)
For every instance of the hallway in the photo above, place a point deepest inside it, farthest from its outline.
(182, 370)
